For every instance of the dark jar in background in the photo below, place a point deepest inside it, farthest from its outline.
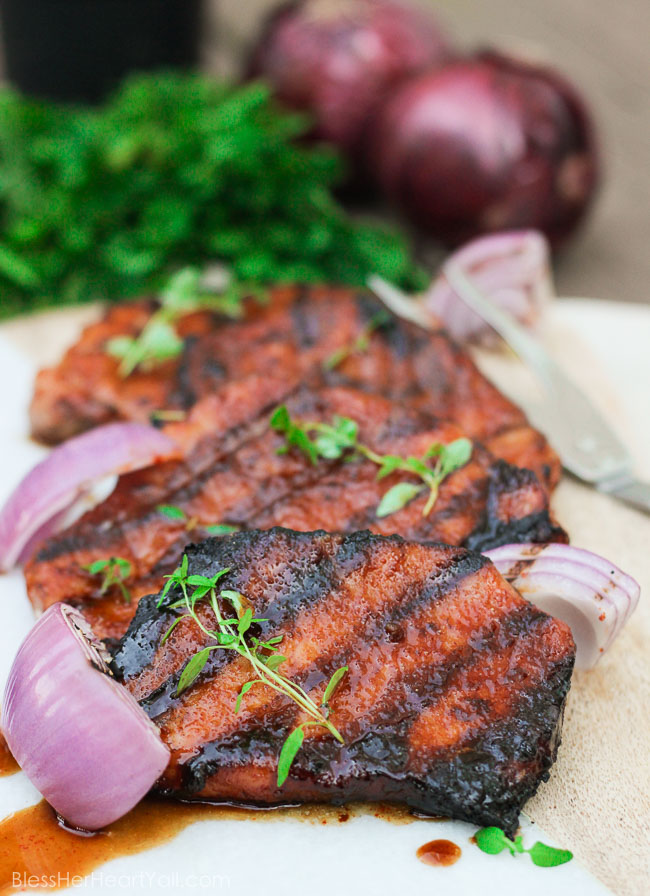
(78, 50)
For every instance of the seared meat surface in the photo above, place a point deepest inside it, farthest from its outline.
(232, 474)
(452, 703)
(289, 339)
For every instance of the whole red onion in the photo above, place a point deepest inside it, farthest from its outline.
(485, 144)
(338, 58)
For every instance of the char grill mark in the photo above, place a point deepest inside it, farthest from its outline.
(289, 338)
(452, 703)
(237, 477)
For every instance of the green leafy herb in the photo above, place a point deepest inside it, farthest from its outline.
(493, 841)
(115, 570)
(103, 202)
(235, 634)
(221, 529)
(332, 441)
(288, 753)
(360, 344)
(158, 340)
(172, 512)
(177, 514)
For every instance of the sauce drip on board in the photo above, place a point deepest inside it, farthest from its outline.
(439, 853)
(8, 765)
(34, 844)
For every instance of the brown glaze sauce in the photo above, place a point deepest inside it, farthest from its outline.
(34, 844)
(439, 853)
(8, 765)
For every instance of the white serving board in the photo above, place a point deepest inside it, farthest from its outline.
(364, 855)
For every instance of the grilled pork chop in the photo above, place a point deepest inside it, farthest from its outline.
(232, 474)
(290, 339)
(453, 700)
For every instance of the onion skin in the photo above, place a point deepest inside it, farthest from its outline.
(485, 144)
(593, 596)
(52, 486)
(337, 59)
(78, 735)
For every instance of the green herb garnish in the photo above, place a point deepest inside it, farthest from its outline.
(115, 570)
(493, 841)
(221, 529)
(101, 203)
(177, 514)
(360, 344)
(158, 340)
(234, 633)
(331, 441)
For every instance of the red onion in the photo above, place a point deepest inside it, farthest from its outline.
(338, 58)
(588, 592)
(512, 270)
(78, 735)
(53, 485)
(490, 143)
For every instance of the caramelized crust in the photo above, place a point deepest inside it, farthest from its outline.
(288, 339)
(452, 702)
(234, 475)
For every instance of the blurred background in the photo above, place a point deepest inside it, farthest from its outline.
(71, 49)
(604, 49)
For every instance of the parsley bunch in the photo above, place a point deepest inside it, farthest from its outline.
(175, 169)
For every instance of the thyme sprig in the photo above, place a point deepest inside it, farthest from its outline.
(332, 441)
(234, 633)
(158, 340)
(115, 571)
(360, 344)
(493, 841)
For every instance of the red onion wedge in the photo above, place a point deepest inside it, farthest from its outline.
(512, 270)
(586, 591)
(78, 735)
(54, 484)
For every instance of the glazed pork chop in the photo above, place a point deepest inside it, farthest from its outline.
(294, 338)
(452, 702)
(233, 474)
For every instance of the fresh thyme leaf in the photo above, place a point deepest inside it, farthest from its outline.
(548, 856)
(455, 455)
(167, 415)
(493, 841)
(172, 627)
(280, 419)
(115, 570)
(235, 599)
(274, 661)
(244, 690)
(398, 497)
(333, 683)
(193, 669)
(171, 511)
(182, 290)
(221, 529)
(360, 344)
(288, 753)
(158, 341)
(245, 622)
